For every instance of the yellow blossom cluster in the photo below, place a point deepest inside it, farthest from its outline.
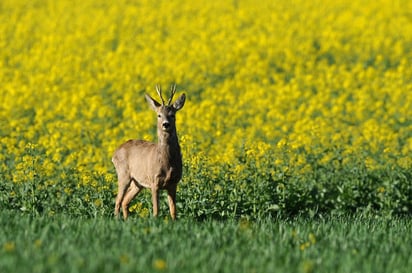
(275, 83)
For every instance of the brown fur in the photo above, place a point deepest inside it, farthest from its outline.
(158, 166)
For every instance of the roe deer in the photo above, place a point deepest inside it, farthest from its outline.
(140, 164)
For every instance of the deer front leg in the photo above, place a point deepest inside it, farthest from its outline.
(171, 197)
(155, 201)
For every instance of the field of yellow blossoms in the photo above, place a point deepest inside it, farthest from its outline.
(292, 106)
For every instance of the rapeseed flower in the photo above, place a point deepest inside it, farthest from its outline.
(304, 84)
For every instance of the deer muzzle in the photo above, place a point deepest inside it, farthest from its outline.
(165, 125)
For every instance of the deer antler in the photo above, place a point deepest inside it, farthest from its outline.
(159, 92)
(173, 91)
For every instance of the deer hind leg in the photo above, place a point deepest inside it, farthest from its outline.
(123, 185)
(155, 201)
(131, 193)
(171, 197)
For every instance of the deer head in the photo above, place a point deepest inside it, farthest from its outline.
(166, 113)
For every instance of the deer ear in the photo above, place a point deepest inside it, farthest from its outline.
(179, 102)
(152, 102)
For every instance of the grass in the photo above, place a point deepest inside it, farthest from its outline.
(338, 244)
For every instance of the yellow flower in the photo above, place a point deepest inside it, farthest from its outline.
(124, 259)
(38, 243)
(9, 246)
(159, 264)
(98, 203)
(304, 246)
(272, 97)
(312, 238)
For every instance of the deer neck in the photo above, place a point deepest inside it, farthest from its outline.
(168, 145)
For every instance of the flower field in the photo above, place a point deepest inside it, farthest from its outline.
(293, 107)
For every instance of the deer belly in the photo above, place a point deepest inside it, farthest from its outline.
(161, 179)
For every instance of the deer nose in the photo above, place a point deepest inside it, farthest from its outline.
(166, 125)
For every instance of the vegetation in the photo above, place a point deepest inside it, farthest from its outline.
(302, 109)
(296, 110)
(340, 244)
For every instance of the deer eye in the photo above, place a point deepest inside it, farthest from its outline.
(159, 116)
